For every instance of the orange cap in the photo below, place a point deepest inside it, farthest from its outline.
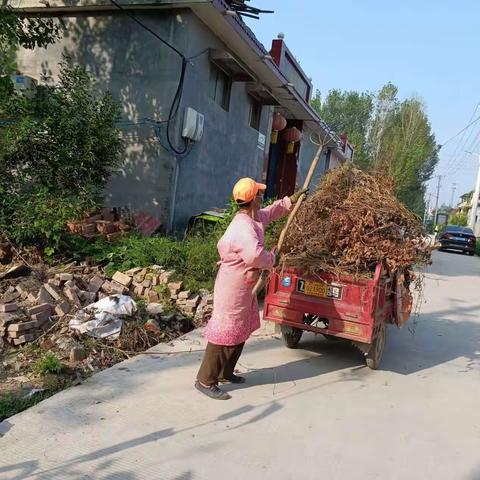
(246, 189)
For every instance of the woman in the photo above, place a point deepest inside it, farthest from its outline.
(235, 310)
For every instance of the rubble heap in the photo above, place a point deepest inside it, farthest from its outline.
(350, 223)
(31, 304)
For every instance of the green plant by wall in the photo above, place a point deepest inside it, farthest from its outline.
(57, 151)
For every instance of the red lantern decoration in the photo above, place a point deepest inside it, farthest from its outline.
(292, 135)
(278, 124)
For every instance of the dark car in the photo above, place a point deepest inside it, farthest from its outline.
(457, 238)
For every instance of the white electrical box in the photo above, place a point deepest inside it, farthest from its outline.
(23, 83)
(193, 125)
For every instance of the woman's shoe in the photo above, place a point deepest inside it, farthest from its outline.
(213, 391)
(233, 379)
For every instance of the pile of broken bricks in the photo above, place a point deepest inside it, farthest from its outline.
(155, 284)
(107, 224)
(30, 306)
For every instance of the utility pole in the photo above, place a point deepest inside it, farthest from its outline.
(472, 221)
(435, 215)
(427, 209)
(454, 187)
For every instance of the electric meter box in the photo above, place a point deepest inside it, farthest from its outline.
(193, 125)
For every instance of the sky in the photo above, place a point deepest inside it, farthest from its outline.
(427, 48)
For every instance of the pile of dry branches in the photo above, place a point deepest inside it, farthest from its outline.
(350, 223)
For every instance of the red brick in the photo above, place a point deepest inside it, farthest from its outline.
(44, 296)
(41, 318)
(95, 284)
(44, 307)
(153, 296)
(62, 309)
(53, 291)
(24, 338)
(64, 277)
(8, 307)
(21, 327)
(123, 279)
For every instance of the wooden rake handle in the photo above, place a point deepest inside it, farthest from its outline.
(264, 275)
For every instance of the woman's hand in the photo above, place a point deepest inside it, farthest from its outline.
(296, 196)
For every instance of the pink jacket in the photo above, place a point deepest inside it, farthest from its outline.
(242, 256)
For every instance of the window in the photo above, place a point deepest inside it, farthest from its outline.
(255, 114)
(220, 87)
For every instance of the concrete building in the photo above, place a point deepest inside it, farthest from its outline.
(229, 78)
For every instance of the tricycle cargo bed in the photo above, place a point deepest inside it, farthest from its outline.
(353, 308)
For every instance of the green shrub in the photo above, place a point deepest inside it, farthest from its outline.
(49, 363)
(56, 154)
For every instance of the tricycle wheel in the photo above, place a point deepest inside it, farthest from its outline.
(291, 335)
(374, 355)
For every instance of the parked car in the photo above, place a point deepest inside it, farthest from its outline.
(452, 237)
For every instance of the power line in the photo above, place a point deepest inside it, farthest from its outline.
(177, 99)
(451, 163)
(460, 132)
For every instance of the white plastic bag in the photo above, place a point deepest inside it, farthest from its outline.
(104, 318)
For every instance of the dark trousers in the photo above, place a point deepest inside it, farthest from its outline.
(218, 363)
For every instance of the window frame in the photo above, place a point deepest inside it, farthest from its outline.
(256, 107)
(216, 75)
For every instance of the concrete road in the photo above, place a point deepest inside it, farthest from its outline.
(312, 413)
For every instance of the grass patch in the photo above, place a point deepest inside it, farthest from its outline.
(49, 363)
(13, 403)
(194, 259)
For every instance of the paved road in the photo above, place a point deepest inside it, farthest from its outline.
(313, 413)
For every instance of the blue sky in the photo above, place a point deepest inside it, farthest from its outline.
(427, 48)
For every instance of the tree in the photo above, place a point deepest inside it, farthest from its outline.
(17, 31)
(389, 136)
(56, 156)
(460, 219)
(348, 111)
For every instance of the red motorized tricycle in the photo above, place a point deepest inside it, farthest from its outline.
(356, 309)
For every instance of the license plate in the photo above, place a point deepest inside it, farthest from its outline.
(459, 239)
(319, 289)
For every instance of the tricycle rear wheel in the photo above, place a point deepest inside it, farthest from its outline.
(291, 335)
(375, 354)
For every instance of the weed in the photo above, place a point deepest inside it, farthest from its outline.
(49, 363)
